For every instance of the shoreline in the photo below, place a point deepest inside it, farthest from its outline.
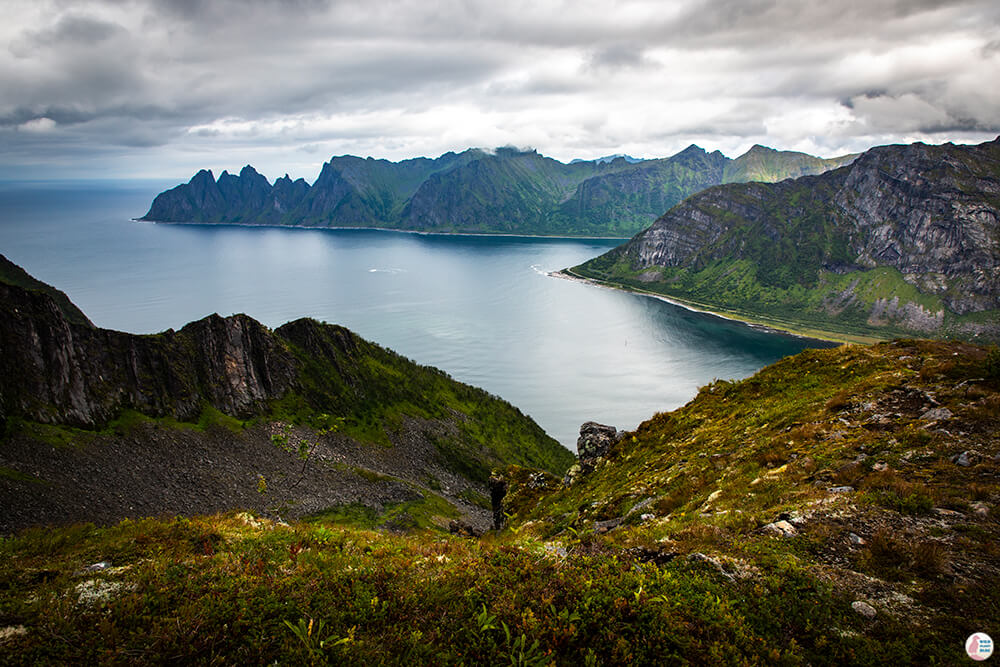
(754, 323)
(387, 229)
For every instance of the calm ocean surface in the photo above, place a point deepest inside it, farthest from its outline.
(480, 308)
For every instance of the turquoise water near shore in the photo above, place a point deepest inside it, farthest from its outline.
(481, 308)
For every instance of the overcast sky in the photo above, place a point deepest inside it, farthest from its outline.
(161, 88)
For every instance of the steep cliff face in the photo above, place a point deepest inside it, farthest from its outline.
(224, 402)
(506, 191)
(932, 213)
(906, 239)
(59, 372)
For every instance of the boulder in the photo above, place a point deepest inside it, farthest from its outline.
(780, 529)
(595, 440)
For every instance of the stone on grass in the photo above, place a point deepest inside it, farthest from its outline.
(780, 529)
(980, 508)
(937, 414)
(864, 609)
(966, 458)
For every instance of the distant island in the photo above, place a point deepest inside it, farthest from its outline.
(904, 241)
(506, 191)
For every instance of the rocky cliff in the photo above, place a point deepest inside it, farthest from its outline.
(906, 239)
(75, 398)
(504, 191)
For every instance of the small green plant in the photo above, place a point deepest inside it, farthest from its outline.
(520, 653)
(485, 621)
(311, 635)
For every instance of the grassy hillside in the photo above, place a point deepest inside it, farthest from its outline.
(766, 165)
(815, 513)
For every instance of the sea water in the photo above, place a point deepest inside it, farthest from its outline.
(484, 309)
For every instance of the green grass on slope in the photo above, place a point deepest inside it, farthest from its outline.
(840, 442)
(232, 589)
(837, 304)
(376, 390)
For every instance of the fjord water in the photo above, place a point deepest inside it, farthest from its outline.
(480, 308)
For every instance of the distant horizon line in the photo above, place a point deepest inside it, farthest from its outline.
(485, 150)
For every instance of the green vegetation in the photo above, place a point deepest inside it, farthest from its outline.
(508, 191)
(839, 443)
(234, 589)
(380, 393)
(766, 165)
(430, 511)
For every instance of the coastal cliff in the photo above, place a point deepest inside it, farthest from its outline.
(904, 240)
(100, 425)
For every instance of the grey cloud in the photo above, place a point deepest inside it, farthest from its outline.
(139, 73)
(78, 28)
(749, 22)
(618, 56)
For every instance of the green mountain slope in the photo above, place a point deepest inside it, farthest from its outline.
(904, 240)
(838, 508)
(766, 165)
(627, 200)
(507, 191)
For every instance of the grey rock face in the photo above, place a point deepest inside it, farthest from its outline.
(595, 440)
(59, 371)
(930, 212)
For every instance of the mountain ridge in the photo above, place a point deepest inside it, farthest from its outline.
(507, 190)
(904, 240)
(330, 419)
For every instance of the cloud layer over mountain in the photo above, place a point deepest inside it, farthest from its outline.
(143, 87)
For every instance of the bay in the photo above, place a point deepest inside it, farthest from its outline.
(480, 308)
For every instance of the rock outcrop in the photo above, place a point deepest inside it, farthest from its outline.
(595, 441)
(57, 371)
(906, 239)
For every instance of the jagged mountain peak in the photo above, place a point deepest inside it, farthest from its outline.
(531, 194)
(902, 241)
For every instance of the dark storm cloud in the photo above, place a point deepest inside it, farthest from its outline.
(399, 77)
